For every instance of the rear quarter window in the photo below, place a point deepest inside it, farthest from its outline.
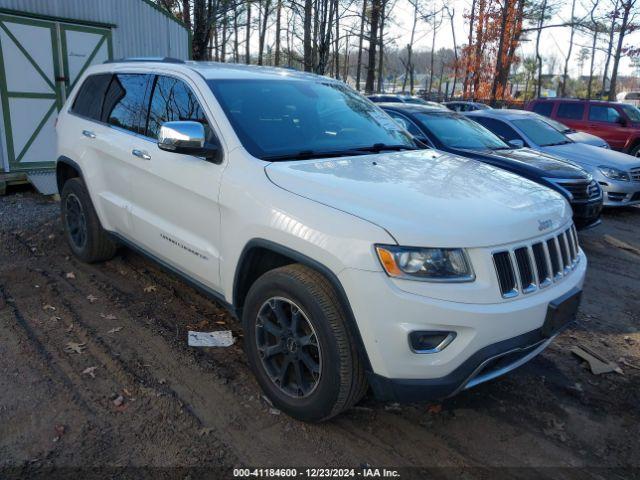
(88, 101)
(543, 108)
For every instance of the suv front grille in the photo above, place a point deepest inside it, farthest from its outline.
(526, 268)
(635, 174)
(582, 191)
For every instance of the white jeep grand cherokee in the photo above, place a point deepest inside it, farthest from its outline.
(353, 259)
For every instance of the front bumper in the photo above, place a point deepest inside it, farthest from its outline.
(386, 314)
(587, 214)
(619, 194)
(486, 364)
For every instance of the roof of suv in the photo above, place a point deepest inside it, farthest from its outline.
(571, 100)
(217, 70)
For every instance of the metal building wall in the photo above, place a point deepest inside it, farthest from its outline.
(140, 28)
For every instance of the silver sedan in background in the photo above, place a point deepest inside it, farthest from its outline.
(617, 173)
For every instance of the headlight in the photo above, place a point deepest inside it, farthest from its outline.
(426, 264)
(614, 173)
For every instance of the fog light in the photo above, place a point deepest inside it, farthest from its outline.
(430, 341)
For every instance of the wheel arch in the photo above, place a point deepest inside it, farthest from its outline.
(260, 256)
(65, 170)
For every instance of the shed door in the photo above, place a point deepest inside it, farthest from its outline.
(39, 61)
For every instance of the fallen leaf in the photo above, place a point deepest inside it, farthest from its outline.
(90, 371)
(434, 408)
(108, 316)
(92, 298)
(126, 392)
(274, 411)
(118, 401)
(221, 323)
(115, 330)
(49, 307)
(60, 430)
(150, 288)
(70, 275)
(73, 347)
(69, 328)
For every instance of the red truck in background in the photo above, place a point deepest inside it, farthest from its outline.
(617, 123)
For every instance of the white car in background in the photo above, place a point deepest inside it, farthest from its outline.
(617, 173)
(353, 259)
(632, 98)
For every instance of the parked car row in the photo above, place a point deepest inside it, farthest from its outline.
(616, 173)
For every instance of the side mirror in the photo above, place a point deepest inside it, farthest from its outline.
(516, 143)
(187, 138)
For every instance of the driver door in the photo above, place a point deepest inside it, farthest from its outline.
(176, 215)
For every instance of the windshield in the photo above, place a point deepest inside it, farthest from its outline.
(278, 119)
(416, 101)
(541, 133)
(632, 112)
(561, 127)
(460, 132)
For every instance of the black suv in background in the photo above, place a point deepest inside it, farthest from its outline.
(451, 132)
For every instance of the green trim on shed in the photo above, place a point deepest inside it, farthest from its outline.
(52, 18)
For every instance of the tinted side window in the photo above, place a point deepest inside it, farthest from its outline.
(88, 102)
(572, 111)
(127, 101)
(501, 129)
(543, 108)
(599, 113)
(174, 101)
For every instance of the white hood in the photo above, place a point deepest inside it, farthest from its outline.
(428, 198)
(589, 155)
(587, 138)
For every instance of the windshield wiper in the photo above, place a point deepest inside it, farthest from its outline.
(379, 147)
(310, 154)
(564, 142)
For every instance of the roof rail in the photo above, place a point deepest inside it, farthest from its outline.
(147, 59)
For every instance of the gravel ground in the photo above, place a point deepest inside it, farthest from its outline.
(137, 396)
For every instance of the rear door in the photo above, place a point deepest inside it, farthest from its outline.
(109, 145)
(175, 208)
(604, 121)
(572, 115)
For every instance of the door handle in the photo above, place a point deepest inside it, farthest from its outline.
(88, 134)
(141, 154)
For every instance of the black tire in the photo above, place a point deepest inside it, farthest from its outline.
(340, 382)
(635, 151)
(86, 237)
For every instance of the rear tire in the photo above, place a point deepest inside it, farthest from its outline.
(299, 346)
(86, 237)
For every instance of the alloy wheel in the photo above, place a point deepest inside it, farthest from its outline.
(76, 220)
(288, 347)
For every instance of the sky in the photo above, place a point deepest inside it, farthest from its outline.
(553, 41)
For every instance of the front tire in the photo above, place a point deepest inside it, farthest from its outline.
(635, 151)
(86, 237)
(299, 346)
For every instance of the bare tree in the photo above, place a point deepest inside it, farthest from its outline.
(363, 19)
(373, 41)
(629, 13)
(565, 72)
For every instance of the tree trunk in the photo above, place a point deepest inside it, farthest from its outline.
(565, 72)
(455, 51)
(383, 4)
(308, 51)
(467, 66)
(433, 51)
(538, 57)
(499, 72)
(373, 41)
(609, 47)
(186, 13)
(360, 41)
(276, 60)
(336, 41)
(616, 59)
(409, 65)
(594, 24)
(236, 41)
(477, 55)
(263, 31)
(247, 54)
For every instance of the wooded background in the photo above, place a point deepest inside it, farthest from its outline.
(357, 41)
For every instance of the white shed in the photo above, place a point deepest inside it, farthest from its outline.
(45, 46)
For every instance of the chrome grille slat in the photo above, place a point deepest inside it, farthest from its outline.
(582, 191)
(635, 174)
(525, 268)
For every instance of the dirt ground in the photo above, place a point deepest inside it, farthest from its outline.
(138, 396)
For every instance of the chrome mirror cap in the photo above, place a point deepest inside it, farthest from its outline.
(181, 136)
